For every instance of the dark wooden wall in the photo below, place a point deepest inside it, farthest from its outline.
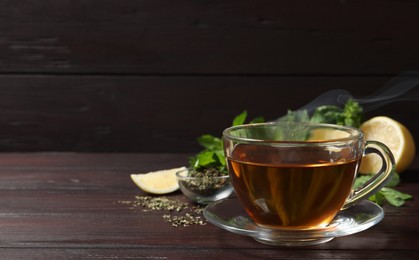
(151, 76)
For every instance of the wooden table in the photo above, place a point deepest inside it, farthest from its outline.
(69, 206)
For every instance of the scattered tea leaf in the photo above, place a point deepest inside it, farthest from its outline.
(177, 213)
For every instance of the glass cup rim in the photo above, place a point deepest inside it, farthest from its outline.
(354, 133)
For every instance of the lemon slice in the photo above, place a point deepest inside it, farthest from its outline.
(393, 134)
(157, 182)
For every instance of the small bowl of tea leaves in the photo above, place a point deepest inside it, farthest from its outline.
(205, 185)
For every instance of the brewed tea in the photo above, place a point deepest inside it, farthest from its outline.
(304, 194)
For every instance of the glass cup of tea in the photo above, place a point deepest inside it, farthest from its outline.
(298, 176)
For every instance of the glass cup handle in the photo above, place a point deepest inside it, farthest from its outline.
(379, 179)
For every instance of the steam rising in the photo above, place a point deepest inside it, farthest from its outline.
(403, 87)
(397, 89)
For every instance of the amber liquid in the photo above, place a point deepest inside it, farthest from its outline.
(297, 195)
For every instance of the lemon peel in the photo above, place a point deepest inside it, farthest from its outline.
(395, 136)
(157, 182)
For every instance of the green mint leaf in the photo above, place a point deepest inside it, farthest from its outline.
(349, 115)
(326, 114)
(240, 119)
(205, 159)
(378, 198)
(213, 154)
(394, 197)
(193, 161)
(210, 142)
(219, 154)
(386, 194)
(295, 116)
(352, 113)
(361, 180)
(258, 120)
(394, 181)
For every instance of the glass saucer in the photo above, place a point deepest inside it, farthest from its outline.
(228, 214)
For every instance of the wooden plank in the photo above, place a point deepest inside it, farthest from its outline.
(154, 114)
(48, 221)
(216, 37)
(196, 253)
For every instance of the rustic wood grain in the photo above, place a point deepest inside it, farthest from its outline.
(151, 76)
(156, 114)
(66, 205)
(215, 37)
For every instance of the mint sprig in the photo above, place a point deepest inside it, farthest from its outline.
(212, 156)
(387, 194)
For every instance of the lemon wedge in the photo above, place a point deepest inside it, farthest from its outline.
(157, 182)
(393, 134)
